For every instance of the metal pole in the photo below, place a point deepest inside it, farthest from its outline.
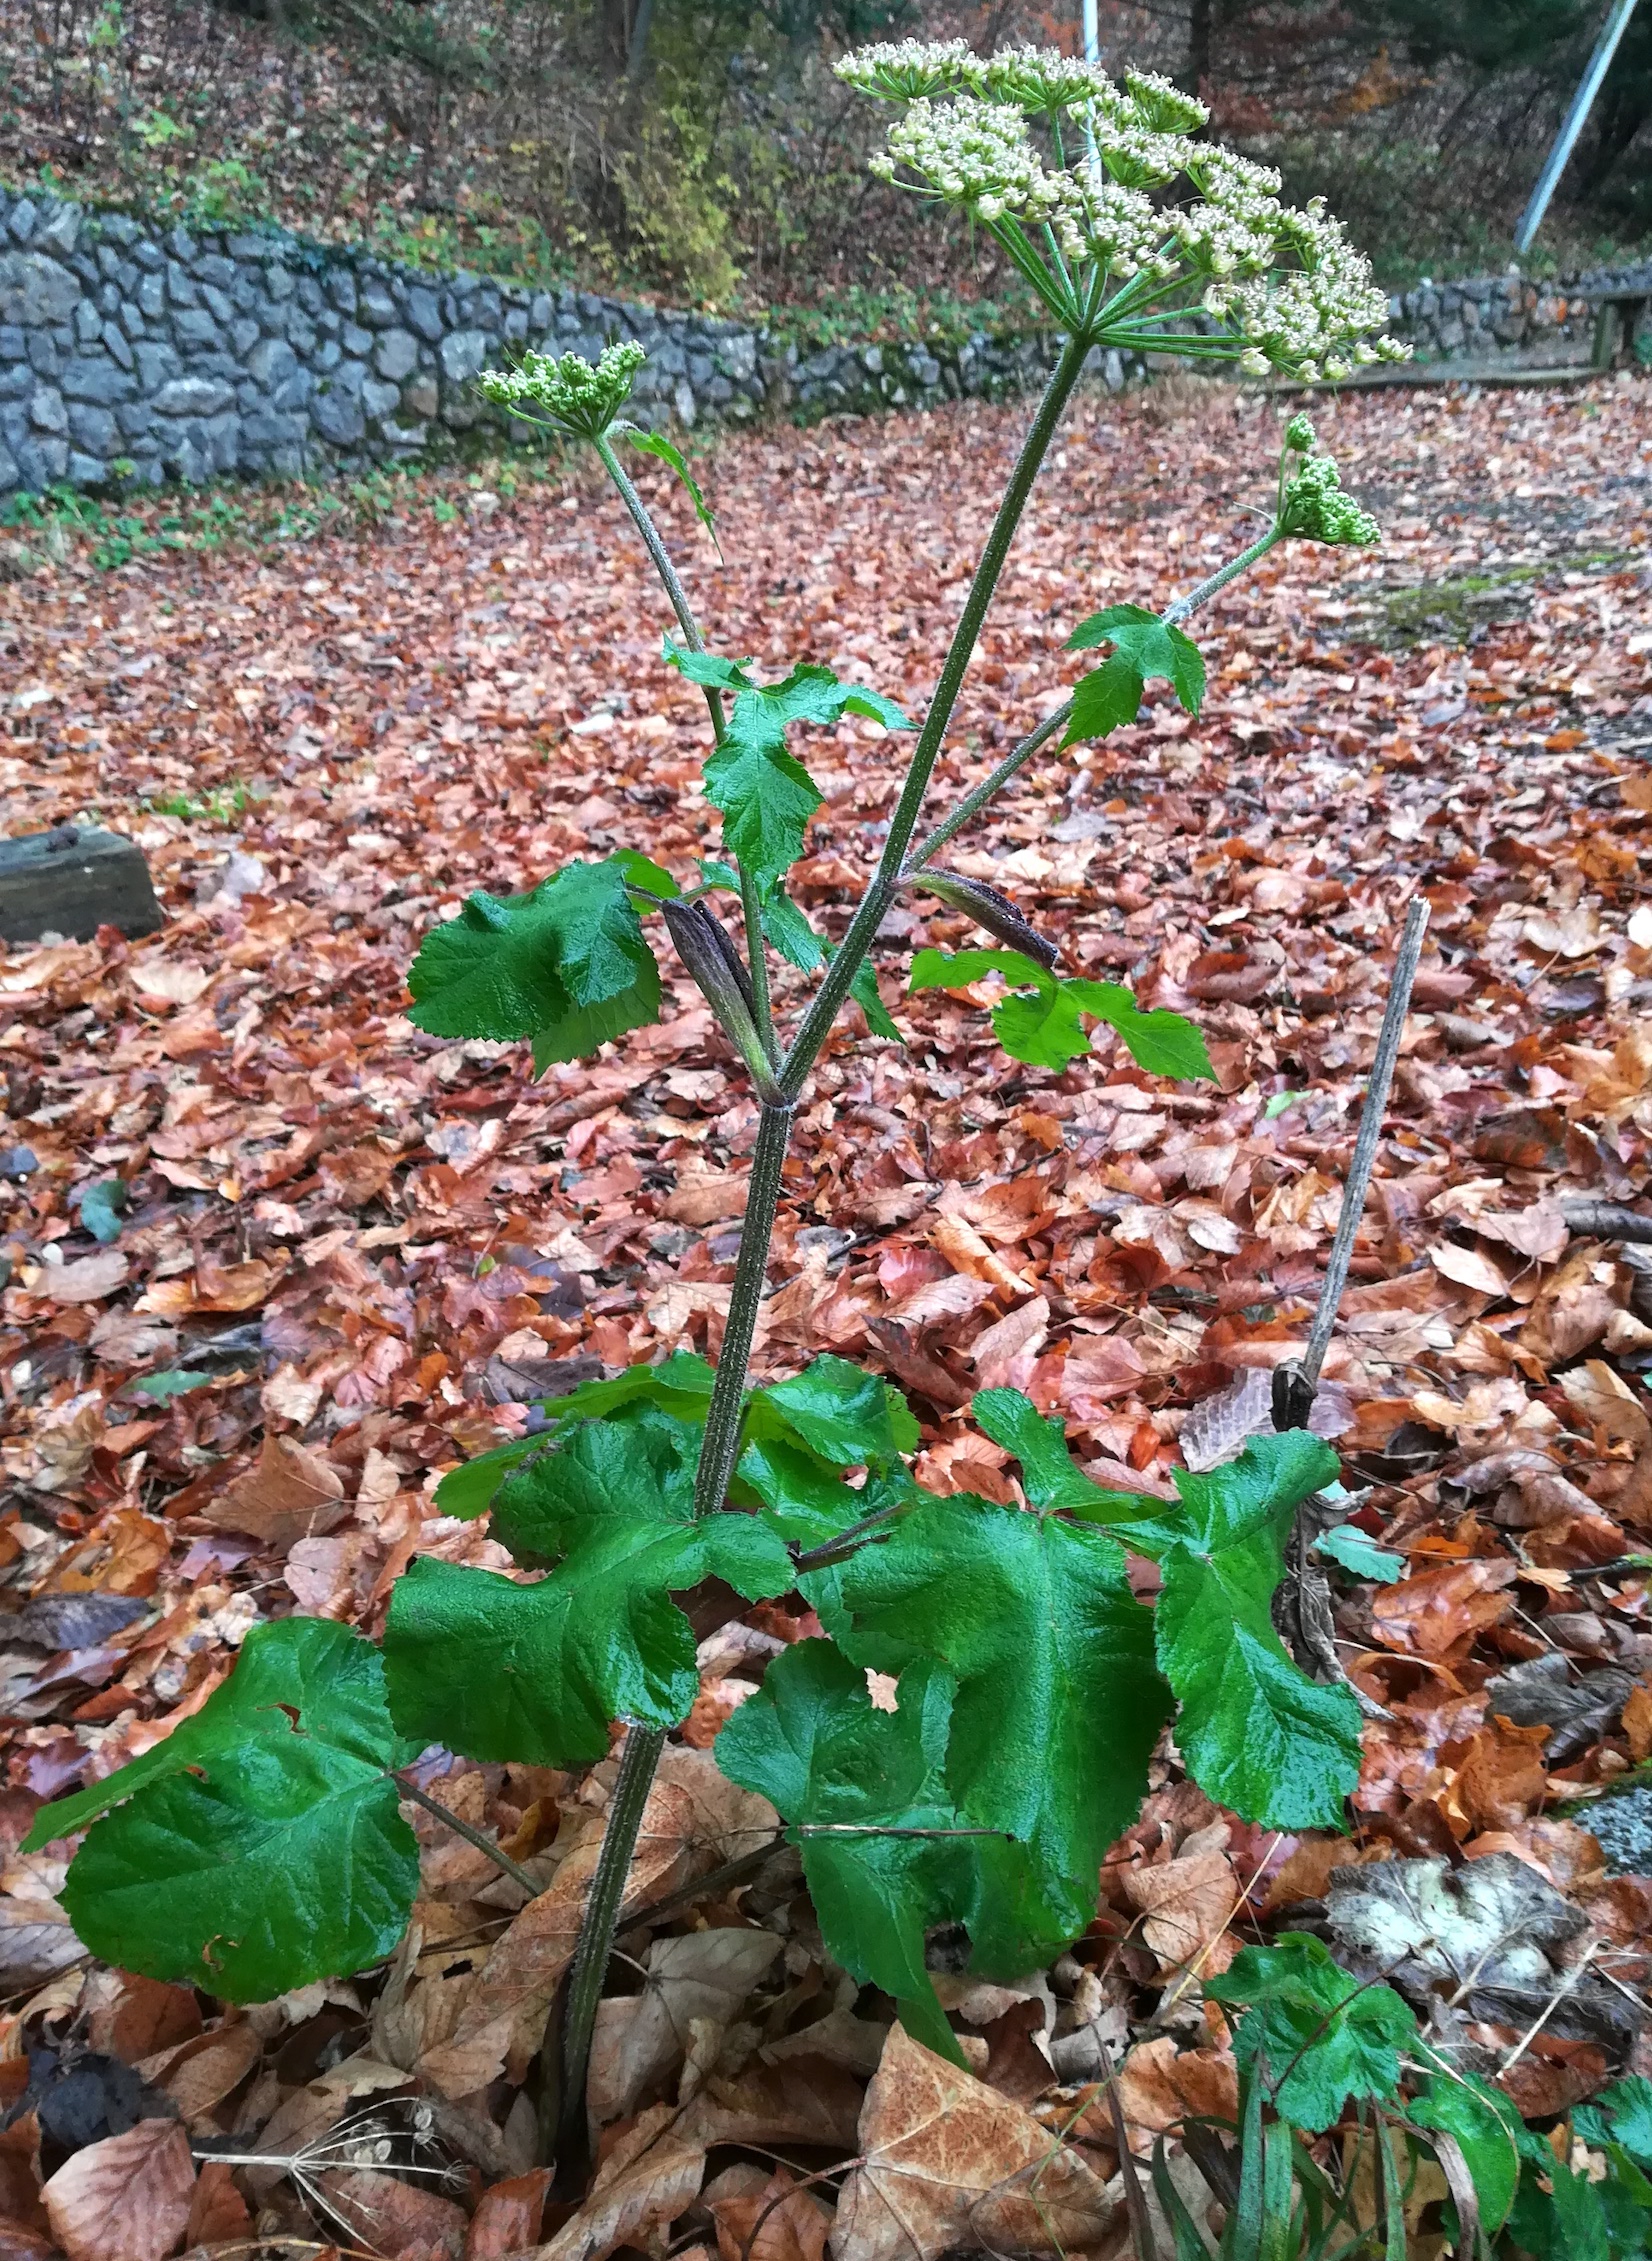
(1600, 62)
(1092, 37)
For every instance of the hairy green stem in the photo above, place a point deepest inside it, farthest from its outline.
(757, 964)
(874, 904)
(973, 802)
(600, 1921)
(720, 1446)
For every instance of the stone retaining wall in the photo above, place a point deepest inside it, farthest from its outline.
(1506, 314)
(180, 354)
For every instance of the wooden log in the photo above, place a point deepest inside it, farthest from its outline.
(71, 881)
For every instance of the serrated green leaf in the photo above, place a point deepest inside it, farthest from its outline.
(1144, 647)
(535, 1673)
(652, 878)
(1044, 1028)
(813, 1744)
(680, 1384)
(655, 444)
(1258, 1735)
(1315, 2032)
(765, 794)
(1058, 1705)
(851, 1418)
(260, 1846)
(1049, 1474)
(1483, 2123)
(1621, 2114)
(1355, 1552)
(566, 965)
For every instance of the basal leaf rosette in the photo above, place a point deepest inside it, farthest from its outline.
(1094, 220)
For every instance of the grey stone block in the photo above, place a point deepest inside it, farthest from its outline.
(337, 417)
(13, 344)
(9, 473)
(96, 378)
(379, 399)
(419, 399)
(219, 304)
(193, 396)
(341, 289)
(94, 429)
(152, 297)
(23, 216)
(180, 287)
(271, 361)
(244, 335)
(156, 364)
(36, 290)
(61, 232)
(462, 354)
(424, 314)
(85, 470)
(375, 305)
(88, 322)
(396, 356)
(193, 325)
(46, 410)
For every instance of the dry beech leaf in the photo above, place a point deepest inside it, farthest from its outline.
(625, 2208)
(1161, 2085)
(126, 2198)
(390, 2216)
(508, 2215)
(1186, 1906)
(794, 2223)
(704, 1976)
(289, 1494)
(951, 2162)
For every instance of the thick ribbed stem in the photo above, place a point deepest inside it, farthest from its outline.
(834, 988)
(721, 1445)
(643, 1746)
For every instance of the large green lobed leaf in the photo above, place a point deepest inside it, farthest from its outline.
(1058, 1703)
(261, 1845)
(566, 965)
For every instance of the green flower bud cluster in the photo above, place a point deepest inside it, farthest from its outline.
(573, 396)
(1314, 507)
(1290, 291)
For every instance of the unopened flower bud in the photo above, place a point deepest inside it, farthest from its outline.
(719, 973)
(1299, 434)
(992, 911)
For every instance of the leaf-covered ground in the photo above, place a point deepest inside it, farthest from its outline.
(352, 1255)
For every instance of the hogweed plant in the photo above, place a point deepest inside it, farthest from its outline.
(261, 1845)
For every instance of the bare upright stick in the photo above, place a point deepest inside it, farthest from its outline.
(1294, 1385)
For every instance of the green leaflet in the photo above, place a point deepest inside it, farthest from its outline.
(766, 795)
(1050, 1476)
(813, 1744)
(1351, 1549)
(1058, 1704)
(1258, 1735)
(788, 932)
(566, 965)
(1483, 2123)
(653, 443)
(535, 1672)
(1043, 1029)
(102, 1207)
(851, 1418)
(1316, 2035)
(1143, 647)
(680, 1384)
(858, 1417)
(261, 1845)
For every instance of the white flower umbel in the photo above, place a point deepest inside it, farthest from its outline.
(1091, 229)
(570, 395)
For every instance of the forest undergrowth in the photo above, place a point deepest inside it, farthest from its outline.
(275, 1261)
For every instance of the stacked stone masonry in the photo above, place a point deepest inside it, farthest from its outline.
(129, 350)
